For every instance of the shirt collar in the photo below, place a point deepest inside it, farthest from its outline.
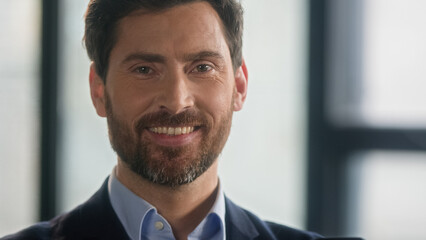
(136, 214)
(129, 208)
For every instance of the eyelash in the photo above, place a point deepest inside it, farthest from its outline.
(145, 70)
(197, 68)
(140, 70)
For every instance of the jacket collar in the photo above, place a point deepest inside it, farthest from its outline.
(97, 220)
(238, 224)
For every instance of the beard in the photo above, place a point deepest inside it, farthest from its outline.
(170, 166)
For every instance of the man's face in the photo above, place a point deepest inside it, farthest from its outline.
(170, 92)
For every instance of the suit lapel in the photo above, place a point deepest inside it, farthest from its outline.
(98, 219)
(238, 224)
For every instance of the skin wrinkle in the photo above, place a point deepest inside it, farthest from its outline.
(157, 62)
(159, 33)
(231, 28)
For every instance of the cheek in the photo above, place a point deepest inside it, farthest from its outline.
(215, 99)
(129, 102)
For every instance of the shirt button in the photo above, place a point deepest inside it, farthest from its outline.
(159, 226)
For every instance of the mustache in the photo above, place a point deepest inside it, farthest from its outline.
(163, 118)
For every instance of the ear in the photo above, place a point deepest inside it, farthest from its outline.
(241, 82)
(97, 88)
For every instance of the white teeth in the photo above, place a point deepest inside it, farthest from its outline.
(171, 130)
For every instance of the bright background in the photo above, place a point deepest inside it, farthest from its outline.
(376, 78)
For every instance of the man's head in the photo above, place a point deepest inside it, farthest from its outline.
(103, 16)
(169, 90)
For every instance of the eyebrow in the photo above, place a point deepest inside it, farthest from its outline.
(152, 57)
(144, 56)
(201, 55)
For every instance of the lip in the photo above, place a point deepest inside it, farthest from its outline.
(173, 140)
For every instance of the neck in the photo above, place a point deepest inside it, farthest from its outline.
(184, 207)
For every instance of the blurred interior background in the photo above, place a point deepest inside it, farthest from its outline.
(332, 137)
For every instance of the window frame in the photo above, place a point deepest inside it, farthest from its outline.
(330, 145)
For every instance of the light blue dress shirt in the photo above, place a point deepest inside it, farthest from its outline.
(142, 221)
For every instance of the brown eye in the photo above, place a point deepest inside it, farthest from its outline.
(143, 70)
(203, 68)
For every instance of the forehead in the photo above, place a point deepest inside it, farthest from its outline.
(188, 27)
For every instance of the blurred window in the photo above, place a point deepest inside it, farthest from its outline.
(19, 115)
(377, 64)
(375, 118)
(388, 201)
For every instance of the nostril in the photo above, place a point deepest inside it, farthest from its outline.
(176, 106)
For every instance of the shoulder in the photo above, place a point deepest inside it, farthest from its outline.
(285, 232)
(242, 224)
(47, 230)
(94, 219)
(39, 231)
(279, 231)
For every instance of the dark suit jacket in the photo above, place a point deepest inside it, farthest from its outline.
(96, 219)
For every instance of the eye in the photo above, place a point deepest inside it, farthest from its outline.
(143, 70)
(202, 68)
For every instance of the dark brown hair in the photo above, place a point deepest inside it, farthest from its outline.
(102, 17)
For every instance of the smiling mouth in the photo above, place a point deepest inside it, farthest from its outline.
(173, 131)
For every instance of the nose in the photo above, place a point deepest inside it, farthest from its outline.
(175, 95)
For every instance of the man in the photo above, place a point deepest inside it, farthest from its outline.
(167, 75)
